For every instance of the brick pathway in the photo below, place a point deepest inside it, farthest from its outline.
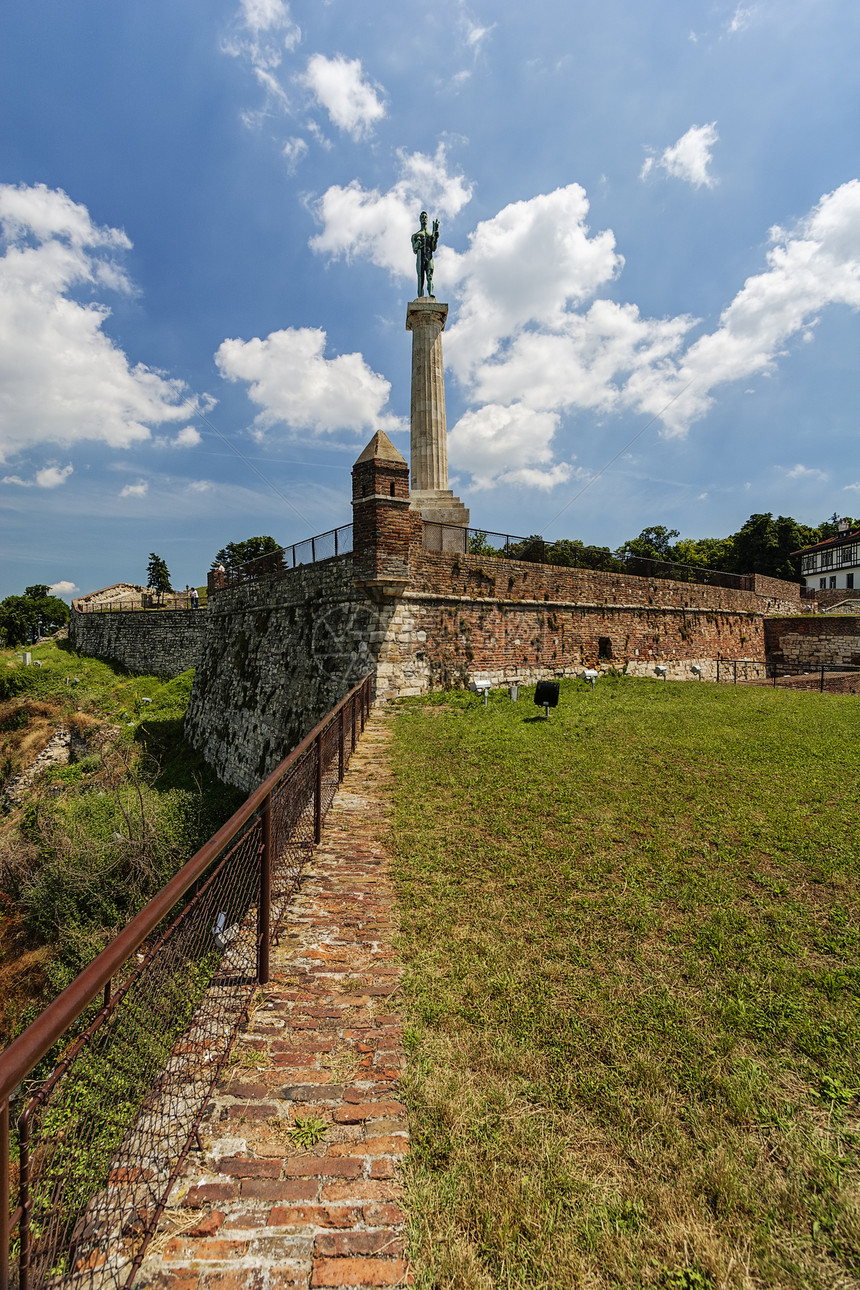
(254, 1211)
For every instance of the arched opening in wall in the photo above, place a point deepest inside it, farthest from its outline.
(604, 647)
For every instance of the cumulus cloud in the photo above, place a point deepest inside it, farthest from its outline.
(510, 445)
(52, 476)
(140, 489)
(338, 84)
(63, 380)
(188, 437)
(293, 383)
(63, 588)
(689, 158)
(377, 225)
(523, 267)
(815, 265)
(536, 344)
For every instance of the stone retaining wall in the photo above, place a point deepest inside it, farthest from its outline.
(163, 642)
(278, 655)
(796, 644)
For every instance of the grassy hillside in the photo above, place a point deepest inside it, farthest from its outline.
(89, 843)
(632, 940)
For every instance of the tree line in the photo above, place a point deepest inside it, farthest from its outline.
(764, 545)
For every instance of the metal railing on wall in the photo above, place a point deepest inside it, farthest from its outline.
(101, 1097)
(275, 563)
(571, 555)
(151, 600)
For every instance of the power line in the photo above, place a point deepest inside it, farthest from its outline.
(618, 454)
(247, 462)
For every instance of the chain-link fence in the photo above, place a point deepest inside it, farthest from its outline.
(101, 1098)
(274, 563)
(571, 555)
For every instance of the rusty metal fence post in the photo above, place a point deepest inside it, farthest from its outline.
(318, 790)
(340, 747)
(5, 1196)
(264, 916)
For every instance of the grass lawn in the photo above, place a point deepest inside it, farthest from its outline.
(631, 935)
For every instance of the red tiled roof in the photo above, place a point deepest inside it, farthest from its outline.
(841, 539)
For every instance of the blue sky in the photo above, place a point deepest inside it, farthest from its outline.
(650, 246)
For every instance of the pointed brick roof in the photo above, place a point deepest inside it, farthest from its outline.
(381, 448)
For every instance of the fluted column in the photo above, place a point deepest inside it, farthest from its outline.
(425, 318)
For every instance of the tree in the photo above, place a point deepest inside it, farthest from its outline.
(24, 618)
(573, 554)
(766, 545)
(157, 576)
(653, 543)
(235, 554)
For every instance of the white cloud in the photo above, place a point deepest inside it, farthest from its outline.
(377, 226)
(507, 445)
(63, 588)
(53, 476)
(816, 265)
(805, 472)
(741, 18)
(338, 85)
(525, 266)
(855, 488)
(200, 486)
(293, 150)
(62, 379)
(262, 30)
(475, 35)
(689, 158)
(140, 489)
(16, 479)
(187, 438)
(293, 382)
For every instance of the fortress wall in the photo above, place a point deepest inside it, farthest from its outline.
(798, 644)
(467, 575)
(164, 642)
(438, 641)
(278, 655)
(513, 621)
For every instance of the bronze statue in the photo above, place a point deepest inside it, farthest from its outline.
(424, 244)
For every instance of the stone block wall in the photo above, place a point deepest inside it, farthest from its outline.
(278, 655)
(800, 644)
(164, 642)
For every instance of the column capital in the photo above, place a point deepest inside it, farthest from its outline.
(425, 312)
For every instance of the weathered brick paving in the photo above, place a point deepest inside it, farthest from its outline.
(252, 1209)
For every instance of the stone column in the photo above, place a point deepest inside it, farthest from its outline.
(430, 495)
(425, 318)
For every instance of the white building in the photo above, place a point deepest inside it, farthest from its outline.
(833, 563)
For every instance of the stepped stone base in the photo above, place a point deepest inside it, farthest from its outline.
(439, 506)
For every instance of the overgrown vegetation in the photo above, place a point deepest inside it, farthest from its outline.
(90, 842)
(631, 935)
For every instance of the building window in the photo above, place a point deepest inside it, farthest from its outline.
(604, 647)
(849, 580)
(391, 486)
(827, 559)
(822, 584)
(832, 583)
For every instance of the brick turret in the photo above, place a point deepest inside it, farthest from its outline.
(382, 521)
